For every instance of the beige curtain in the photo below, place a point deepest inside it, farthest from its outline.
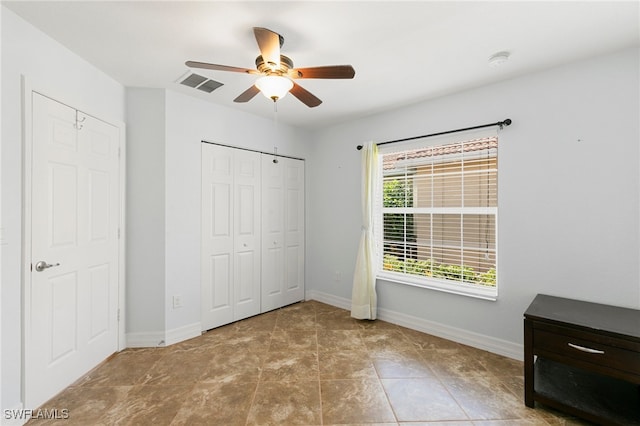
(363, 297)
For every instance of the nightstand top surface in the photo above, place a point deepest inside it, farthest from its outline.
(595, 316)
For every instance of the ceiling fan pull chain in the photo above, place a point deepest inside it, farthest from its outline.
(275, 128)
(275, 117)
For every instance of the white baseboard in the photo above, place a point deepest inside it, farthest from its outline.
(186, 332)
(146, 340)
(329, 299)
(470, 338)
(161, 338)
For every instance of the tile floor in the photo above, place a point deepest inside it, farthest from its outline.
(305, 364)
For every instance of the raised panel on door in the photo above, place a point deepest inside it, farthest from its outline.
(217, 237)
(246, 286)
(247, 252)
(75, 206)
(99, 219)
(99, 278)
(62, 337)
(219, 294)
(273, 277)
(294, 230)
(63, 205)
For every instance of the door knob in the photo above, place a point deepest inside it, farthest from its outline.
(42, 265)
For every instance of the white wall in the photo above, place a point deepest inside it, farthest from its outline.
(165, 131)
(145, 187)
(60, 74)
(568, 193)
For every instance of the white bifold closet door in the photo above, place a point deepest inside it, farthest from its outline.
(231, 221)
(252, 233)
(282, 232)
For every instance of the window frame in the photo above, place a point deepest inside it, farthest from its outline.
(432, 283)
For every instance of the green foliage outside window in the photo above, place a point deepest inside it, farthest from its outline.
(397, 193)
(430, 268)
(398, 227)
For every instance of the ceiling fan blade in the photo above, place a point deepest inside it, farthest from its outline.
(329, 71)
(306, 97)
(248, 94)
(205, 65)
(269, 44)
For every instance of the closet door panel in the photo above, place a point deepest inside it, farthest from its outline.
(273, 276)
(217, 237)
(294, 231)
(221, 235)
(221, 288)
(247, 178)
(247, 294)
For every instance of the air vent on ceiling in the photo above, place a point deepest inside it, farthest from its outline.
(199, 82)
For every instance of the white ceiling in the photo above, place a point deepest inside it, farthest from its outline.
(403, 52)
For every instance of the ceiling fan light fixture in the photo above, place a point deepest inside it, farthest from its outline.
(274, 87)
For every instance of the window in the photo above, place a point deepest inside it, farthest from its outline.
(438, 216)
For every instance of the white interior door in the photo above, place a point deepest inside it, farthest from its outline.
(73, 303)
(230, 235)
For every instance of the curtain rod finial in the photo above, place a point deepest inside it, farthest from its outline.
(359, 147)
(507, 122)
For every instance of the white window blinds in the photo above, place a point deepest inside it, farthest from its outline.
(438, 214)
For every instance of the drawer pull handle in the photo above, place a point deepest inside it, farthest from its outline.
(587, 350)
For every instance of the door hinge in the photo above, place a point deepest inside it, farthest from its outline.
(118, 152)
(118, 233)
(118, 314)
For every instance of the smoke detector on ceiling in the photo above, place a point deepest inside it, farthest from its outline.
(498, 59)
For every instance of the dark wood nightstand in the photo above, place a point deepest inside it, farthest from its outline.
(583, 358)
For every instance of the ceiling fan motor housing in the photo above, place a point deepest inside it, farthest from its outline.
(266, 68)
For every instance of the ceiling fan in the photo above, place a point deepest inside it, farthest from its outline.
(278, 73)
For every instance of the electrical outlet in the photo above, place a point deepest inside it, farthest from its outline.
(177, 301)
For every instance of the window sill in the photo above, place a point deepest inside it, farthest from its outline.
(470, 290)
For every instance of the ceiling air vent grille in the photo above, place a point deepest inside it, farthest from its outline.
(199, 82)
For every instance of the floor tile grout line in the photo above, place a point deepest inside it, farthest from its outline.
(262, 364)
(386, 395)
(446, 388)
(318, 361)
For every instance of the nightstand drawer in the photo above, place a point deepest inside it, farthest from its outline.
(601, 353)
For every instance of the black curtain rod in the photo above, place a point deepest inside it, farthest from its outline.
(274, 154)
(506, 122)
